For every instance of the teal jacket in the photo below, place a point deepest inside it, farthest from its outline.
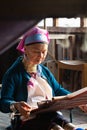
(14, 84)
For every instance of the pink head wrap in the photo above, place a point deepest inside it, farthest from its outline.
(34, 35)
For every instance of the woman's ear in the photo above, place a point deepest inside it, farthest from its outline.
(24, 48)
(25, 53)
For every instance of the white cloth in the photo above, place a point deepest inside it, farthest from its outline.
(38, 90)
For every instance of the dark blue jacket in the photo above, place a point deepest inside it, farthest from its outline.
(14, 84)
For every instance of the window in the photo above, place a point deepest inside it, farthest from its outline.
(62, 22)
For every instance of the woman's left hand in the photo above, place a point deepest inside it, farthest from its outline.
(83, 108)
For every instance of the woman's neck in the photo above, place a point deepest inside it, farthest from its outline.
(29, 67)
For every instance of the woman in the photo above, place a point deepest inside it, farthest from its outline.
(27, 82)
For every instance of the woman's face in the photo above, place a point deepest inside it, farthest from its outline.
(36, 53)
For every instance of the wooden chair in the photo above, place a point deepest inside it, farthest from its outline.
(76, 65)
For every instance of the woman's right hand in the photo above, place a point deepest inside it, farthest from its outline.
(23, 108)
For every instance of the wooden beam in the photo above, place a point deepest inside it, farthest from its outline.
(68, 30)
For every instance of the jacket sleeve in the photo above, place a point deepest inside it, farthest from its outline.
(58, 89)
(7, 91)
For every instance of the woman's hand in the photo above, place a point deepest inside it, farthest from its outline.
(83, 108)
(23, 108)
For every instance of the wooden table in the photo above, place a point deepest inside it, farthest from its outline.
(76, 65)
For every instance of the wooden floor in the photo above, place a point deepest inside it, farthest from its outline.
(4, 120)
(79, 118)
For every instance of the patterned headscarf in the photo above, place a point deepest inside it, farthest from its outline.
(34, 35)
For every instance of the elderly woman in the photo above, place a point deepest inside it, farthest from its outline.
(27, 82)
